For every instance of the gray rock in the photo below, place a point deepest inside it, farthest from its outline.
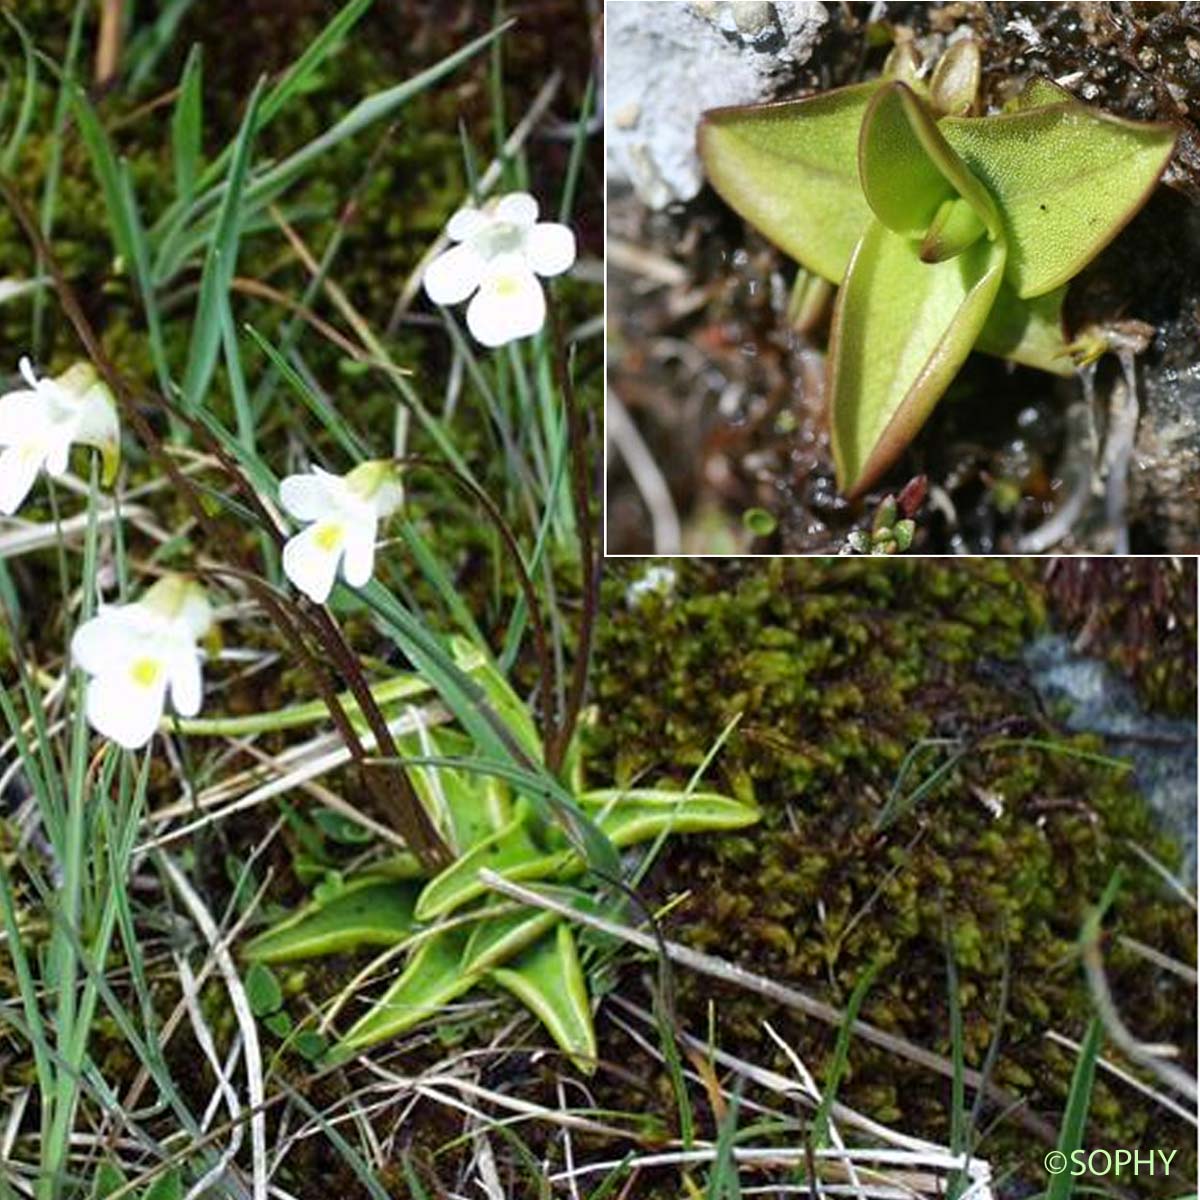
(669, 60)
(1162, 750)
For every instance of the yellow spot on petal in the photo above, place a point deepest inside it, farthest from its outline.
(145, 672)
(329, 535)
(507, 285)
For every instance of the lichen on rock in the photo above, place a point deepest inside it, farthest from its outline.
(667, 63)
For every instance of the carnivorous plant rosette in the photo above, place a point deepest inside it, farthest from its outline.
(458, 934)
(946, 232)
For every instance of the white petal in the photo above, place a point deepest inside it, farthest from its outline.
(509, 305)
(389, 497)
(97, 424)
(310, 564)
(187, 686)
(22, 415)
(360, 555)
(305, 496)
(27, 372)
(453, 276)
(550, 248)
(518, 207)
(111, 639)
(19, 466)
(195, 616)
(123, 710)
(58, 451)
(466, 223)
(91, 644)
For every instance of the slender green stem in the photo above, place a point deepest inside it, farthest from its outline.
(542, 646)
(392, 789)
(590, 566)
(388, 691)
(54, 167)
(59, 1115)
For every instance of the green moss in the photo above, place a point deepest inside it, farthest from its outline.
(837, 668)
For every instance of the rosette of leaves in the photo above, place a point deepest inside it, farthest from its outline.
(946, 231)
(458, 935)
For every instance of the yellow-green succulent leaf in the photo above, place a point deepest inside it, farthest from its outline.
(908, 169)
(573, 769)
(790, 170)
(954, 84)
(810, 301)
(392, 694)
(638, 814)
(496, 939)
(901, 182)
(1067, 179)
(468, 806)
(505, 702)
(904, 64)
(369, 912)
(955, 227)
(431, 979)
(402, 865)
(512, 853)
(548, 980)
(901, 330)
(1038, 93)
(1028, 331)
(427, 780)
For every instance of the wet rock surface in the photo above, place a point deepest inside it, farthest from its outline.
(1162, 749)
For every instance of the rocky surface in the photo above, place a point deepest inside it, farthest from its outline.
(1162, 749)
(667, 63)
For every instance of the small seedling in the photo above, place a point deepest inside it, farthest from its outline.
(893, 527)
(946, 232)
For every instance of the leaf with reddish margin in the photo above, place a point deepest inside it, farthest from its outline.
(901, 329)
(791, 170)
(1067, 180)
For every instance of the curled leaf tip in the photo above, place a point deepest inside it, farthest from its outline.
(954, 85)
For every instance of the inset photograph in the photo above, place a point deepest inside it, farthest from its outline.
(904, 278)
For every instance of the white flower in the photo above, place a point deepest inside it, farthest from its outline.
(136, 653)
(344, 511)
(501, 250)
(38, 427)
(656, 581)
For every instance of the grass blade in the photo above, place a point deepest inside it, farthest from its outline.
(1079, 1100)
(28, 98)
(187, 126)
(841, 1052)
(219, 266)
(723, 1182)
(366, 112)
